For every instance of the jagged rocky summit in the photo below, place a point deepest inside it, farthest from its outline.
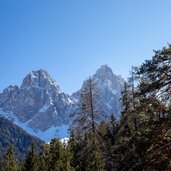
(42, 109)
(110, 87)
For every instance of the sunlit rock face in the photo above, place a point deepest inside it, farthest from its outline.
(39, 101)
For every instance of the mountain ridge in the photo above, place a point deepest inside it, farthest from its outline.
(40, 104)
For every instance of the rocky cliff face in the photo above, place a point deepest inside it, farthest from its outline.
(41, 105)
(109, 87)
(39, 101)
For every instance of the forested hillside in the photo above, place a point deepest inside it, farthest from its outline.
(140, 140)
(10, 134)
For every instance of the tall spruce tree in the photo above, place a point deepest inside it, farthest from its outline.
(44, 157)
(59, 157)
(31, 161)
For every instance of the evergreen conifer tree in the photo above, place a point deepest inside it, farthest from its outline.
(31, 161)
(9, 162)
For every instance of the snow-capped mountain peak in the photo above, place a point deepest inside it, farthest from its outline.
(110, 86)
(39, 101)
(104, 77)
(104, 72)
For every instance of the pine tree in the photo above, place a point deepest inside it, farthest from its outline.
(155, 80)
(87, 154)
(153, 93)
(108, 131)
(44, 157)
(9, 162)
(149, 104)
(31, 161)
(59, 157)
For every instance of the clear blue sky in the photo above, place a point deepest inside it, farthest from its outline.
(71, 39)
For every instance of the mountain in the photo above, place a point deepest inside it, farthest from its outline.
(109, 87)
(12, 134)
(42, 109)
(38, 104)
